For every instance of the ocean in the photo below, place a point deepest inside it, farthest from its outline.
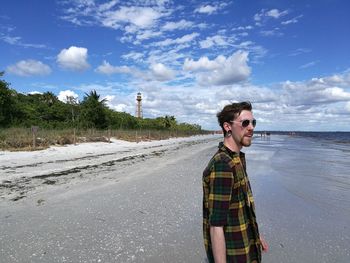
(339, 137)
(302, 187)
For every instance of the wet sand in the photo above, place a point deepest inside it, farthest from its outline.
(147, 207)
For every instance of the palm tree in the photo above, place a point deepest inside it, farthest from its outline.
(93, 111)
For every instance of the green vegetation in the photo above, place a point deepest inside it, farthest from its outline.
(62, 123)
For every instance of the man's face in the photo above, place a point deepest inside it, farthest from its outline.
(243, 135)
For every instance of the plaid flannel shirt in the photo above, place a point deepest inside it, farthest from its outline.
(228, 202)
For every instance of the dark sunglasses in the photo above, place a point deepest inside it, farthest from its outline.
(245, 123)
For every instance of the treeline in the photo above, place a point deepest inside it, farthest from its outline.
(47, 111)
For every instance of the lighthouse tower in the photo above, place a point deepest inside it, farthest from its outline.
(139, 105)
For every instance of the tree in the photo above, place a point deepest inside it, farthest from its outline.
(73, 102)
(93, 111)
(169, 122)
(49, 98)
(6, 103)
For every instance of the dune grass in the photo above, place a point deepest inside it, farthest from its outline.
(19, 139)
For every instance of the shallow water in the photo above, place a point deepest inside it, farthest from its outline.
(302, 190)
(315, 169)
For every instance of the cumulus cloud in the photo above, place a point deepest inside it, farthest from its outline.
(221, 70)
(157, 71)
(65, 94)
(273, 106)
(73, 58)
(316, 91)
(161, 72)
(108, 69)
(29, 67)
(141, 17)
(210, 8)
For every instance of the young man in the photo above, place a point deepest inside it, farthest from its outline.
(229, 224)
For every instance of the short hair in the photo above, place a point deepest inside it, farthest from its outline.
(231, 111)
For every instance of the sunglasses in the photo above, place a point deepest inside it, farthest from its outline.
(245, 123)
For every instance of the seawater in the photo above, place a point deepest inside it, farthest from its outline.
(301, 185)
(314, 165)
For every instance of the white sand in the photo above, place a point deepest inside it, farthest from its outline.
(14, 165)
(143, 209)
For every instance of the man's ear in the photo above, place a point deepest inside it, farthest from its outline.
(227, 126)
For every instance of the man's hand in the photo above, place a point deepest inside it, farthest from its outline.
(264, 245)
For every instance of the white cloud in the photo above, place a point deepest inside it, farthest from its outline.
(347, 106)
(182, 24)
(299, 51)
(291, 21)
(161, 72)
(220, 71)
(108, 69)
(317, 91)
(146, 34)
(29, 67)
(242, 28)
(272, 32)
(203, 64)
(136, 56)
(10, 40)
(206, 9)
(62, 96)
(265, 15)
(276, 107)
(181, 40)
(17, 42)
(157, 71)
(35, 92)
(275, 13)
(308, 65)
(210, 9)
(73, 58)
(141, 17)
(217, 40)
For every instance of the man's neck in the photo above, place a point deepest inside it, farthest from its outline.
(230, 143)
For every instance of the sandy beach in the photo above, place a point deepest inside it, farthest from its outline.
(141, 202)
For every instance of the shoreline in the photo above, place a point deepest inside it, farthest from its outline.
(23, 172)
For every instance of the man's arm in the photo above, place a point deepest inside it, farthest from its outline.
(218, 243)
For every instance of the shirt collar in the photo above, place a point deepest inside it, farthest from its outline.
(224, 148)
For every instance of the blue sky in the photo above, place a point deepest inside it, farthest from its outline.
(291, 59)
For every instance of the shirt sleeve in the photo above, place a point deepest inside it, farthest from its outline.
(221, 181)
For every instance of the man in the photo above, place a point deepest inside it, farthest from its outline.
(229, 224)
